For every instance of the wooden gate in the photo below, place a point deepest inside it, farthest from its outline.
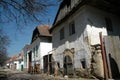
(48, 64)
(68, 66)
(112, 48)
(69, 62)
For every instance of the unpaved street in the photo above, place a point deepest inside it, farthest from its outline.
(7, 74)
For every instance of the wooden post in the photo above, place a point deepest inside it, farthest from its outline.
(104, 56)
(49, 61)
(55, 63)
(48, 65)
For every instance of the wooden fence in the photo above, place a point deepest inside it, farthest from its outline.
(112, 48)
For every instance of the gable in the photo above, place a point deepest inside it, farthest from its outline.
(41, 31)
(65, 10)
(68, 9)
(65, 7)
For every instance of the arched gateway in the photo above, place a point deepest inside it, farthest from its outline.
(68, 62)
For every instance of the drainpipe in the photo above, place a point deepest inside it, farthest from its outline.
(104, 56)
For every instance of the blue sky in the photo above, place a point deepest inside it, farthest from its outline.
(20, 39)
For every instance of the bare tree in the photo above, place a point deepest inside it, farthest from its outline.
(4, 42)
(21, 11)
(3, 57)
(24, 10)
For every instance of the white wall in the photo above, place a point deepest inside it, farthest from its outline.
(96, 23)
(20, 65)
(34, 58)
(17, 64)
(44, 49)
(93, 12)
(88, 23)
(75, 41)
(26, 50)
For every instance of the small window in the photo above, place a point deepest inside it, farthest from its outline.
(68, 2)
(71, 28)
(108, 24)
(62, 34)
(83, 62)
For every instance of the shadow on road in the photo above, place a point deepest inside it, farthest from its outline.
(3, 78)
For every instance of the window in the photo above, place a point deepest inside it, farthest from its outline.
(36, 51)
(26, 58)
(108, 24)
(83, 62)
(62, 34)
(68, 2)
(71, 28)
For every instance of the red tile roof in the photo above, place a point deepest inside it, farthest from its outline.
(14, 57)
(44, 30)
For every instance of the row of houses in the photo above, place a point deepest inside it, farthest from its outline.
(40, 46)
(72, 46)
(15, 62)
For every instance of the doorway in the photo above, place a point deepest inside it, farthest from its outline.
(29, 61)
(68, 66)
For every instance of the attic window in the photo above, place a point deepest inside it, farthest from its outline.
(108, 24)
(68, 2)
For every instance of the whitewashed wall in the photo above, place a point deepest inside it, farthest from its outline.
(88, 23)
(96, 23)
(17, 64)
(26, 50)
(75, 41)
(44, 49)
(35, 60)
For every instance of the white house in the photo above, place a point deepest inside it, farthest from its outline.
(77, 26)
(20, 62)
(12, 63)
(26, 50)
(39, 47)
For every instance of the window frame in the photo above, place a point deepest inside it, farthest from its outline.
(36, 50)
(83, 63)
(71, 28)
(62, 33)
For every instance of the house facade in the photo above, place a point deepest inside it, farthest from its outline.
(76, 28)
(20, 61)
(12, 63)
(26, 50)
(39, 47)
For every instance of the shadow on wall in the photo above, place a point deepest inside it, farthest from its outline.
(114, 68)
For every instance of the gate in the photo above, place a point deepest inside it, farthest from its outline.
(112, 48)
(68, 66)
(69, 62)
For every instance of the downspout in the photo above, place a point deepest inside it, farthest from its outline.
(104, 56)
